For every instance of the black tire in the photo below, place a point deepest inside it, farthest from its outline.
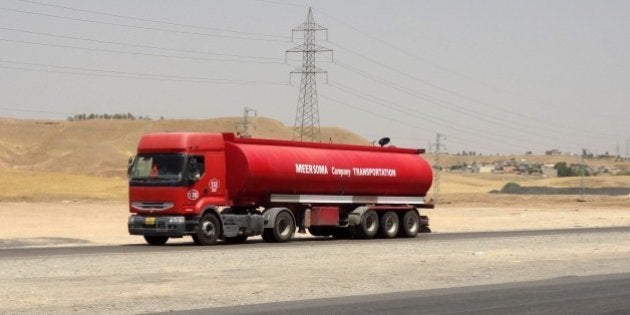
(368, 227)
(410, 225)
(156, 240)
(283, 229)
(389, 225)
(236, 239)
(209, 230)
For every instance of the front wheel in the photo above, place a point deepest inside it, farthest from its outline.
(156, 240)
(209, 230)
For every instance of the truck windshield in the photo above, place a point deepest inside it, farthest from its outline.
(158, 168)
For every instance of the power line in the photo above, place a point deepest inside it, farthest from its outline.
(155, 21)
(406, 52)
(137, 53)
(403, 123)
(400, 123)
(423, 116)
(146, 28)
(458, 94)
(142, 46)
(282, 3)
(445, 104)
(132, 75)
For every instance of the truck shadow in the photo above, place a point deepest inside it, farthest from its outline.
(259, 241)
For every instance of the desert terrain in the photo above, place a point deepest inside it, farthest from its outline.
(63, 184)
(73, 173)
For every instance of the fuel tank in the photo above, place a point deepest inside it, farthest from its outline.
(257, 168)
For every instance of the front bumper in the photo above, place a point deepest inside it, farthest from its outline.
(172, 226)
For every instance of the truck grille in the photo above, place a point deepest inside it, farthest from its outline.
(152, 206)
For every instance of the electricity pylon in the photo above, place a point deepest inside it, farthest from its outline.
(306, 127)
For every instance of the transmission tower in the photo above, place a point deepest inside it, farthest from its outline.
(245, 123)
(306, 127)
(437, 167)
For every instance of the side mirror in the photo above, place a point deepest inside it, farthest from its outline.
(194, 174)
(383, 141)
(129, 165)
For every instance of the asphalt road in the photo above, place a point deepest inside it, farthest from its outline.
(602, 294)
(11, 251)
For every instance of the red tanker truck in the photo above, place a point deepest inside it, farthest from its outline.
(215, 186)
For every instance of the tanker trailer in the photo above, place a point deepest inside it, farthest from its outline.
(221, 187)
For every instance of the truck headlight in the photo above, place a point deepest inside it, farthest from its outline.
(176, 220)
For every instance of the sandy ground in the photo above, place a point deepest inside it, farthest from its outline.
(94, 222)
(201, 277)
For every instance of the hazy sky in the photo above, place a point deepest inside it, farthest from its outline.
(494, 76)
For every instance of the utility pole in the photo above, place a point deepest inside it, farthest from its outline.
(582, 171)
(245, 123)
(617, 151)
(627, 149)
(437, 167)
(306, 127)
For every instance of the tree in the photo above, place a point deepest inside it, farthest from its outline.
(564, 170)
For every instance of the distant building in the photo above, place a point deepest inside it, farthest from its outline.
(509, 169)
(548, 170)
(553, 152)
(486, 169)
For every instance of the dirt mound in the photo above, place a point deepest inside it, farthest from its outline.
(102, 147)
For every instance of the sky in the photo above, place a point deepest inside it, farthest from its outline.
(492, 76)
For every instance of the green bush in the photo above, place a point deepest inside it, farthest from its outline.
(511, 187)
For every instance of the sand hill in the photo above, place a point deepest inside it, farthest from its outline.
(102, 147)
(61, 160)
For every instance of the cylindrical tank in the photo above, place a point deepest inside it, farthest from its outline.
(257, 169)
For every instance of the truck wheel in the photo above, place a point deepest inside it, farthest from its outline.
(236, 239)
(410, 224)
(389, 225)
(156, 240)
(368, 227)
(283, 229)
(209, 230)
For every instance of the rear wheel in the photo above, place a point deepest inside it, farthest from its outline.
(209, 230)
(283, 229)
(156, 240)
(368, 227)
(389, 225)
(410, 224)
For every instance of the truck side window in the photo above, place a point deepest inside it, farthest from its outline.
(197, 166)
